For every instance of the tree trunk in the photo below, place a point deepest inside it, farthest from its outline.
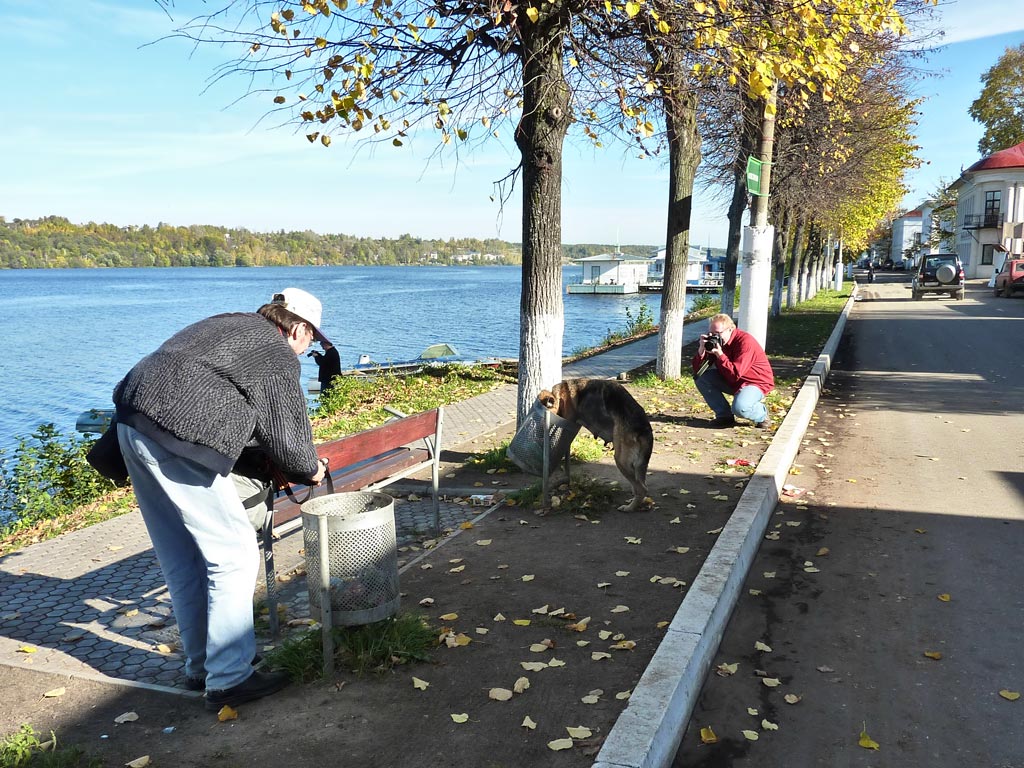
(796, 262)
(540, 136)
(779, 256)
(732, 249)
(684, 157)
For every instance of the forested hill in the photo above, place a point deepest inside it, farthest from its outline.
(56, 242)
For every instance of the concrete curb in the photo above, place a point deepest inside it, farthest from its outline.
(648, 732)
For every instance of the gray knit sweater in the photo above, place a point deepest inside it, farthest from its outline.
(217, 385)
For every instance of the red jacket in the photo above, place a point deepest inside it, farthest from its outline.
(743, 362)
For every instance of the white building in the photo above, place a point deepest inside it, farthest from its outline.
(611, 273)
(990, 211)
(906, 232)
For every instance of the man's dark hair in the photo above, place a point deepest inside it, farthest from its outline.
(281, 317)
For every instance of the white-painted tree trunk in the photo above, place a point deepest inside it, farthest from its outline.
(542, 333)
(670, 343)
(755, 287)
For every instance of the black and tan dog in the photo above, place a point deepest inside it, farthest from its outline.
(611, 414)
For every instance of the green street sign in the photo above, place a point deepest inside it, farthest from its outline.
(754, 176)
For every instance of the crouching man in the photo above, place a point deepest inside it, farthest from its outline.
(732, 362)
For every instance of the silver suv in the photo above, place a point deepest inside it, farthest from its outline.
(939, 273)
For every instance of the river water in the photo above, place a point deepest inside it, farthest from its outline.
(72, 334)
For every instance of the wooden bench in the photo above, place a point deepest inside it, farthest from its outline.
(365, 461)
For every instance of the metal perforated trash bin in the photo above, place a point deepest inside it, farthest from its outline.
(527, 447)
(352, 556)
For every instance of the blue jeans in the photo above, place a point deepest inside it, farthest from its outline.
(208, 554)
(748, 403)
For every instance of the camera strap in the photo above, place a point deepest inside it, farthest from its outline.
(703, 368)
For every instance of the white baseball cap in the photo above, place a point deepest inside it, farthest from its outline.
(302, 304)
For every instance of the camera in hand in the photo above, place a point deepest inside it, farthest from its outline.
(713, 340)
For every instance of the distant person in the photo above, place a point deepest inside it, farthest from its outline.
(184, 414)
(871, 272)
(329, 364)
(732, 362)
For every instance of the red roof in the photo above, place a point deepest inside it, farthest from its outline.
(1004, 158)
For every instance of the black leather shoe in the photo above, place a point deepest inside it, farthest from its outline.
(258, 685)
(723, 421)
(199, 683)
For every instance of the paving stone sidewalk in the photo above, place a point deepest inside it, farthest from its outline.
(93, 604)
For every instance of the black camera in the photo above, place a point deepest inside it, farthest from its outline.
(713, 340)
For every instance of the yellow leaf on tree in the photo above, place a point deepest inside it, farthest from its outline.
(1009, 695)
(866, 741)
(459, 718)
(532, 14)
(707, 736)
(632, 9)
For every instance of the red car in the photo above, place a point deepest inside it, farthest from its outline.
(1010, 278)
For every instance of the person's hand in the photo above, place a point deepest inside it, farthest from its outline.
(321, 471)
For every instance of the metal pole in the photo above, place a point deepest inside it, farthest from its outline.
(326, 619)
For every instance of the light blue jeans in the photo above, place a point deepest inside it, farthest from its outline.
(208, 553)
(748, 403)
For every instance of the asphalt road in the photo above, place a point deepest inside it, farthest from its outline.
(911, 492)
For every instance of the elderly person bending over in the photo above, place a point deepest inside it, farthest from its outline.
(184, 414)
(732, 362)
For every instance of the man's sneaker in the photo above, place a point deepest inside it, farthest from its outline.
(723, 421)
(258, 685)
(766, 424)
(198, 683)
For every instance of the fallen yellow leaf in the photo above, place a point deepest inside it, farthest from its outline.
(751, 735)
(624, 645)
(498, 617)
(528, 577)
(759, 646)
(528, 723)
(127, 717)
(579, 732)
(226, 713)
(707, 736)
(620, 609)
(1009, 695)
(54, 693)
(465, 526)
(139, 762)
(521, 685)
(542, 610)
(945, 597)
(459, 718)
(599, 655)
(771, 682)
(533, 666)
(448, 616)
(483, 542)
(499, 694)
(557, 744)
(866, 741)
(791, 698)
(28, 649)
(521, 622)
(724, 670)
(769, 726)
(420, 685)
(933, 655)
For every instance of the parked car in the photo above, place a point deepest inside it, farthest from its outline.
(1010, 278)
(939, 273)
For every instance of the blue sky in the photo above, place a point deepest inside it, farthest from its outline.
(96, 125)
